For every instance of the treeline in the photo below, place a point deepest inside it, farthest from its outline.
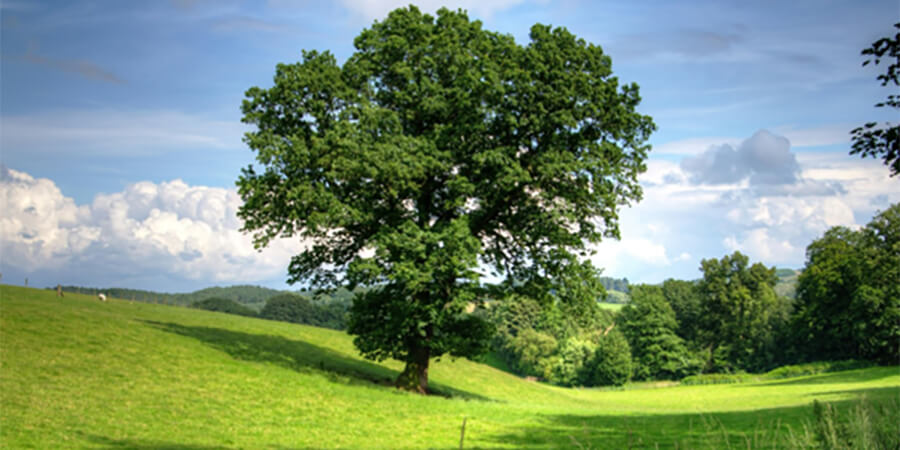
(615, 284)
(327, 311)
(732, 320)
(253, 297)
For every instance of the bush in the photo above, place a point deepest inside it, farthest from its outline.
(224, 305)
(720, 378)
(814, 368)
(571, 367)
(611, 364)
(530, 352)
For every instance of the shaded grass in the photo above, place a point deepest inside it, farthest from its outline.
(75, 372)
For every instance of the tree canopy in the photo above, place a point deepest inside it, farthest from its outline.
(848, 296)
(884, 141)
(438, 149)
(739, 313)
(650, 325)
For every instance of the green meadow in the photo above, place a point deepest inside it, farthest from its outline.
(76, 372)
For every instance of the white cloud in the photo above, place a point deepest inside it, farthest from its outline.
(170, 229)
(770, 224)
(761, 246)
(39, 226)
(764, 158)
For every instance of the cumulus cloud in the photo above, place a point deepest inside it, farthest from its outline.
(771, 223)
(171, 228)
(764, 159)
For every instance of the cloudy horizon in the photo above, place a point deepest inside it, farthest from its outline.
(121, 135)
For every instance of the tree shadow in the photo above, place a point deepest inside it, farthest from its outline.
(302, 357)
(761, 428)
(142, 444)
(154, 444)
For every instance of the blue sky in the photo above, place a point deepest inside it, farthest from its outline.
(120, 133)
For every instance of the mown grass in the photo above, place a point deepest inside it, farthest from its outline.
(76, 372)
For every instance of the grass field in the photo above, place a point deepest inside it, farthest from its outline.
(76, 372)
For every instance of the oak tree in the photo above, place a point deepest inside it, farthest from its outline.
(436, 152)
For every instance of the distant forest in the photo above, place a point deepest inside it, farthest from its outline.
(255, 297)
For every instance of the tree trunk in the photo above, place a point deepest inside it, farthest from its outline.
(414, 377)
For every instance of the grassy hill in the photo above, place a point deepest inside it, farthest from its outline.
(76, 372)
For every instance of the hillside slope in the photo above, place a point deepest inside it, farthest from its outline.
(76, 372)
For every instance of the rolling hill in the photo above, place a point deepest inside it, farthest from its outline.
(77, 372)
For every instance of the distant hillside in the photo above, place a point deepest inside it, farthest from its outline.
(617, 289)
(253, 297)
(787, 282)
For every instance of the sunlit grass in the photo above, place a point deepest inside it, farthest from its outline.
(76, 372)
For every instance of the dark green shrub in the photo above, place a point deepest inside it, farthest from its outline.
(814, 368)
(720, 378)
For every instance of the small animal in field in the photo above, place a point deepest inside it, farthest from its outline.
(102, 297)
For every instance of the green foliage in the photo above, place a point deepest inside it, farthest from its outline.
(611, 364)
(791, 371)
(530, 353)
(815, 368)
(440, 146)
(742, 320)
(684, 299)
(557, 341)
(870, 139)
(848, 303)
(224, 305)
(299, 309)
(572, 363)
(649, 324)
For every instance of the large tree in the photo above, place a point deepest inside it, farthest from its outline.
(649, 324)
(871, 139)
(438, 149)
(848, 296)
(741, 316)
